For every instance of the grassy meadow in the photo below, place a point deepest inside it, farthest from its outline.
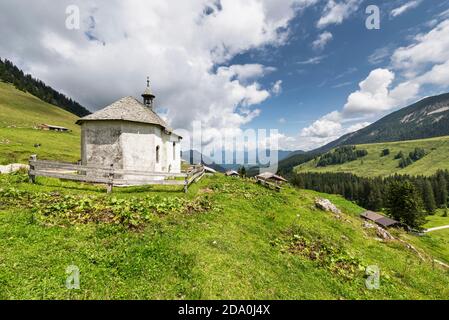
(20, 114)
(374, 165)
(244, 246)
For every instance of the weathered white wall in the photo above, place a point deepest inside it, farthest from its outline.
(129, 146)
(100, 143)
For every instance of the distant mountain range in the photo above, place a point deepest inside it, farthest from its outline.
(194, 157)
(427, 118)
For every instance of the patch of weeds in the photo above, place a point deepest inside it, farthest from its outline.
(245, 190)
(55, 209)
(324, 252)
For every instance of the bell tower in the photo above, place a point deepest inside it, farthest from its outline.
(148, 97)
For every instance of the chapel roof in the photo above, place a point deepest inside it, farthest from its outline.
(127, 109)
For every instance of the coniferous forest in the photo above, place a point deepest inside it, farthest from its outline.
(428, 193)
(11, 74)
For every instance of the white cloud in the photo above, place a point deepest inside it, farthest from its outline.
(322, 40)
(438, 75)
(405, 7)
(429, 48)
(379, 55)
(336, 12)
(313, 60)
(324, 130)
(245, 72)
(373, 95)
(179, 44)
(342, 84)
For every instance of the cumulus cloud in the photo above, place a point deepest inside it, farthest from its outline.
(322, 40)
(405, 7)
(184, 46)
(326, 129)
(336, 12)
(322, 128)
(373, 95)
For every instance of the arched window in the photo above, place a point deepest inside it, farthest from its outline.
(157, 154)
(174, 150)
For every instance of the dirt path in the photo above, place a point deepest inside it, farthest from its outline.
(437, 228)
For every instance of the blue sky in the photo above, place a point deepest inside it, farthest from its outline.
(310, 91)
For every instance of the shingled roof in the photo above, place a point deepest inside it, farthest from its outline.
(127, 109)
(379, 219)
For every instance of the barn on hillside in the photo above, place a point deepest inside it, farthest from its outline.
(129, 135)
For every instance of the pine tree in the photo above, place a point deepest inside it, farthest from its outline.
(405, 205)
(442, 193)
(428, 197)
(375, 198)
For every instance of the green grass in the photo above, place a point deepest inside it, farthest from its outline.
(374, 165)
(436, 220)
(241, 248)
(20, 114)
(227, 253)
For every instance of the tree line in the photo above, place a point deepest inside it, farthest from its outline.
(341, 155)
(25, 82)
(415, 155)
(425, 194)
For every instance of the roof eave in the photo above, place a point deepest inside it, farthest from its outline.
(80, 121)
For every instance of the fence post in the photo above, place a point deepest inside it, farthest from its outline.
(111, 179)
(186, 183)
(32, 177)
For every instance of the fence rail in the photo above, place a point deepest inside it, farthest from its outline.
(111, 176)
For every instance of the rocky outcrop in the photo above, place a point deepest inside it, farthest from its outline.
(13, 167)
(326, 205)
(380, 232)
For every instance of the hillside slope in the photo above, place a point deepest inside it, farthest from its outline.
(374, 164)
(425, 119)
(9, 73)
(252, 243)
(20, 114)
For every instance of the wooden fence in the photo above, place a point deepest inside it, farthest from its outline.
(111, 176)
